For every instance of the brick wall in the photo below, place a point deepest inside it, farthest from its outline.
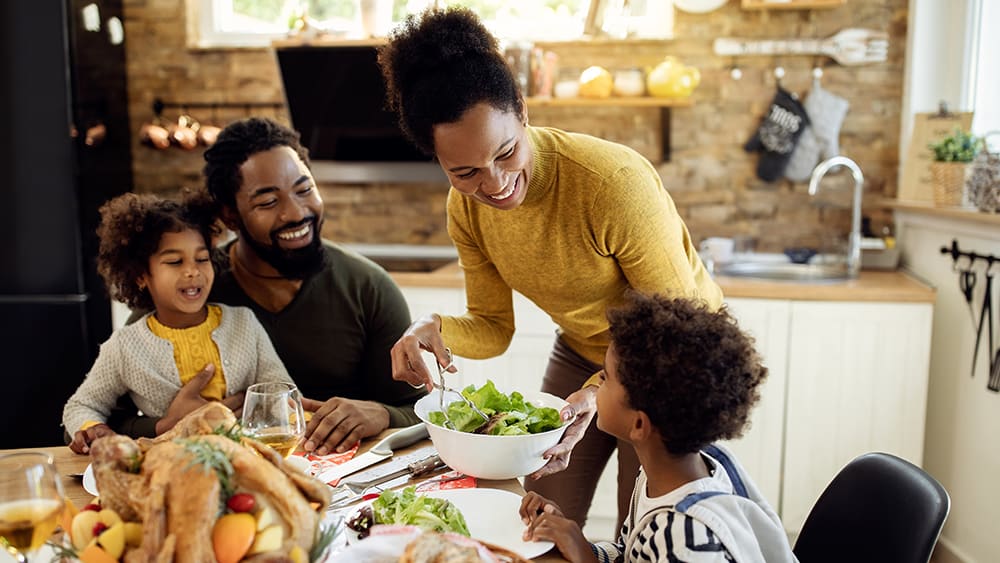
(709, 175)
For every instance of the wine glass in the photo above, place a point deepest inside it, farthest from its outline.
(272, 414)
(31, 502)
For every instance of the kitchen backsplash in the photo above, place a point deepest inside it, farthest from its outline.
(709, 175)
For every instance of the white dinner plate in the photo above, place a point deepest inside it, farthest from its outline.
(89, 483)
(492, 516)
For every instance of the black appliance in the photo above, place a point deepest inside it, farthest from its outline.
(66, 150)
(336, 98)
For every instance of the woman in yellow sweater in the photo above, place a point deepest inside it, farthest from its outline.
(568, 220)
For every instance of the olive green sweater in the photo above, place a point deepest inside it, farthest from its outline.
(595, 221)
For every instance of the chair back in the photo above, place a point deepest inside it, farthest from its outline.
(877, 508)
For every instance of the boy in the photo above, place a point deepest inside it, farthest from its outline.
(677, 377)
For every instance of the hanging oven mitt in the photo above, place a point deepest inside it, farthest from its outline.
(777, 135)
(820, 140)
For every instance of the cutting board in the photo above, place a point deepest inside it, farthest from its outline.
(915, 182)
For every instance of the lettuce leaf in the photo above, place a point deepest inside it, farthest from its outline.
(407, 507)
(517, 416)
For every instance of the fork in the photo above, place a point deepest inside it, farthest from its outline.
(352, 491)
(442, 387)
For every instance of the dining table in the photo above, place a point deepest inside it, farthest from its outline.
(71, 466)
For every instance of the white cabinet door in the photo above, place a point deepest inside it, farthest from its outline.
(857, 383)
(760, 448)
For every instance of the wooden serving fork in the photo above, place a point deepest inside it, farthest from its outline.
(849, 47)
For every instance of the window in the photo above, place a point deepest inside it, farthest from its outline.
(255, 23)
(983, 81)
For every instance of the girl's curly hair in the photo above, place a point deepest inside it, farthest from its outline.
(236, 143)
(438, 64)
(690, 369)
(130, 232)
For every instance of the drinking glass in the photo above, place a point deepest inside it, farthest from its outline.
(272, 413)
(31, 502)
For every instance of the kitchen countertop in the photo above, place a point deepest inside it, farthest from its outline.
(896, 286)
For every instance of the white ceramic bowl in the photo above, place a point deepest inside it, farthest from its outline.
(491, 457)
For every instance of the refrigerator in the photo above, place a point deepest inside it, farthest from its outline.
(66, 150)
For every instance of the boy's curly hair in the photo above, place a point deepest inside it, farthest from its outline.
(130, 232)
(238, 142)
(690, 369)
(438, 64)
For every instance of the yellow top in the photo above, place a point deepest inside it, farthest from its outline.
(596, 220)
(193, 349)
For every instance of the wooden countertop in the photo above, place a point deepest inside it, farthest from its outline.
(874, 286)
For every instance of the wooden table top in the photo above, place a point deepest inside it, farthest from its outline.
(68, 463)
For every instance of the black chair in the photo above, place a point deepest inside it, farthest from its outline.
(878, 508)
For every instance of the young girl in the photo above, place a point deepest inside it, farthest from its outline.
(156, 254)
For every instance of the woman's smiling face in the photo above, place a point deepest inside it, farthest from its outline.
(486, 155)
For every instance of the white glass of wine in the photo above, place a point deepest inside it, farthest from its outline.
(272, 414)
(31, 502)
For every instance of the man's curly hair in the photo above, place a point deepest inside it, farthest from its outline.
(130, 232)
(238, 142)
(690, 369)
(438, 64)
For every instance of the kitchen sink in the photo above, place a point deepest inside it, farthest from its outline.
(785, 271)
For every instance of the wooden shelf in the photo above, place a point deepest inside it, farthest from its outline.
(961, 213)
(790, 4)
(664, 104)
(638, 101)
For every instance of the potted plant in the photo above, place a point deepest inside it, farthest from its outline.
(952, 156)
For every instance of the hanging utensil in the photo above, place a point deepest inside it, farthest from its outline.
(967, 283)
(985, 313)
(848, 47)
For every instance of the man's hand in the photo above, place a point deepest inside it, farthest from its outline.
(582, 406)
(83, 438)
(338, 423)
(545, 521)
(189, 399)
(407, 362)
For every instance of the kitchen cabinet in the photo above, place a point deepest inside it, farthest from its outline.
(844, 378)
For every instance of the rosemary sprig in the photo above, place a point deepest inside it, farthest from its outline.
(234, 432)
(213, 459)
(134, 463)
(61, 552)
(324, 537)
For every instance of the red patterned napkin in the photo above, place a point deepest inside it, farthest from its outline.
(447, 481)
(320, 463)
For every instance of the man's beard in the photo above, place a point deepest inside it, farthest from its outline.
(297, 263)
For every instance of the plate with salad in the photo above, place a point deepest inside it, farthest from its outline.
(489, 515)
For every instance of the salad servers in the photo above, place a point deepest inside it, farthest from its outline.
(442, 387)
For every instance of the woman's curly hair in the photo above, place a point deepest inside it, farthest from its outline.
(238, 142)
(130, 232)
(438, 64)
(690, 369)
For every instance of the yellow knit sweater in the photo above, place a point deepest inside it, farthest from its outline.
(595, 221)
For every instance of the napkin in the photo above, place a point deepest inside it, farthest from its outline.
(320, 463)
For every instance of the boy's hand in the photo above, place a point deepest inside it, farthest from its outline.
(338, 424)
(83, 438)
(546, 522)
(581, 410)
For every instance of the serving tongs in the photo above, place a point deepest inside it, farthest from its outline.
(440, 385)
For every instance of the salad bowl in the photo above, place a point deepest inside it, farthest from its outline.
(490, 456)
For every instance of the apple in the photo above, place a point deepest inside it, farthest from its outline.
(112, 540)
(82, 528)
(133, 534)
(268, 539)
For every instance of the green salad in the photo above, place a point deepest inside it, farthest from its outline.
(408, 508)
(510, 415)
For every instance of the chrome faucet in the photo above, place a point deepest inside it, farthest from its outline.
(854, 239)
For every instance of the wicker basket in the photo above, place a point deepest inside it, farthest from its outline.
(949, 181)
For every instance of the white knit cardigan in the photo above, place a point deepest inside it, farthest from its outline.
(140, 363)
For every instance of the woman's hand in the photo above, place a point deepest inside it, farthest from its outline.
(407, 363)
(83, 438)
(338, 424)
(582, 406)
(545, 521)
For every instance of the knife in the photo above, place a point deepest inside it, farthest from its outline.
(351, 492)
(379, 452)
